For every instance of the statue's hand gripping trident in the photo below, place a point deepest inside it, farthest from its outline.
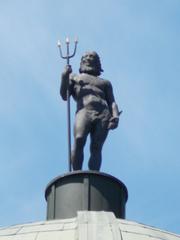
(68, 68)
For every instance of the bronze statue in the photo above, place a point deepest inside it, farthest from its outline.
(97, 111)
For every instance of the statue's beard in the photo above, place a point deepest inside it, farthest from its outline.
(89, 69)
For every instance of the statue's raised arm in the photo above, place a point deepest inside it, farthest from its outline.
(65, 82)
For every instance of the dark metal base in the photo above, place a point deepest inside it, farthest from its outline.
(85, 190)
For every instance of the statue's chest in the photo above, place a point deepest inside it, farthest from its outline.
(85, 81)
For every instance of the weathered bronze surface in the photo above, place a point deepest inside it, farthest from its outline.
(97, 111)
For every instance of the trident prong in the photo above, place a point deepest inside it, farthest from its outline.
(67, 57)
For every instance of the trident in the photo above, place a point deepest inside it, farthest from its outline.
(67, 57)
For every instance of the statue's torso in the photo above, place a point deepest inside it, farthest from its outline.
(89, 92)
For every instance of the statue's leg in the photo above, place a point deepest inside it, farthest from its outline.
(98, 136)
(81, 130)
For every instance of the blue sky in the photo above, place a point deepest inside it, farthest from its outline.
(138, 42)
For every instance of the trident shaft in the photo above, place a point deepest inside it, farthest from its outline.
(67, 57)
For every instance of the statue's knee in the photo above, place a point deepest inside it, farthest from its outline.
(95, 147)
(80, 141)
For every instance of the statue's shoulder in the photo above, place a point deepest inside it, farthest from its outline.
(106, 82)
(73, 77)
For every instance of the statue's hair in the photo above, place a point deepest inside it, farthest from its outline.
(95, 69)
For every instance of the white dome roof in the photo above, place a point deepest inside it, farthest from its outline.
(86, 226)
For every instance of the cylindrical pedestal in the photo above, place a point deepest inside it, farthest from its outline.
(85, 191)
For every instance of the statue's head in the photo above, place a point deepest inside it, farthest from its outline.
(90, 63)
